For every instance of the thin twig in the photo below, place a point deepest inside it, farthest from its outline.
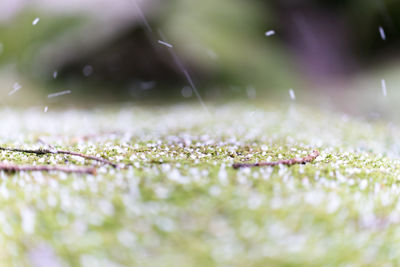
(105, 161)
(18, 168)
(42, 151)
(309, 158)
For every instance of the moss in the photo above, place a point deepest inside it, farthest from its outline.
(179, 202)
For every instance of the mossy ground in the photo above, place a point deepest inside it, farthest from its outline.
(179, 202)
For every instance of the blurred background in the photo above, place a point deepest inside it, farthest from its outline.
(342, 53)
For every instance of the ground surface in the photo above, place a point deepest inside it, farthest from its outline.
(180, 203)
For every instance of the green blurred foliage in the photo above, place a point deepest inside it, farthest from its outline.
(227, 39)
(21, 41)
(222, 42)
(234, 31)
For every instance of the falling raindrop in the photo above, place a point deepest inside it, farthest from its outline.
(292, 94)
(16, 87)
(55, 74)
(35, 21)
(66, 92)
(270, 33)
(46, 108)
(187, 75)
(165, 43)
(142, 16)
(382, 33)
(384, 90)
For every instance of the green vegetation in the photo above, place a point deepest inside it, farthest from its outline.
(21, 41)
(179, 202)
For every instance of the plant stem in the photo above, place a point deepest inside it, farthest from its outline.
(41, 151)
(18, 168)
(309, 158)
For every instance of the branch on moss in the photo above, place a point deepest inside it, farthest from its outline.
(43, 168)
(42, 151)
(288, 162)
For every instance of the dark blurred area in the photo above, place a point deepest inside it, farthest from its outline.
(229, 48)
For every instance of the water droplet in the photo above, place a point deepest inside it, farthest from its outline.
(16, 87)
(87, 70)
(382, 33)
(270, 33)
(384, 90)
(186, 92)
(35, 21)
(59, 93)
(165, 43)
(292, 94)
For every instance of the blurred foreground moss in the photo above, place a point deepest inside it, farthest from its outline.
(179, 202)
